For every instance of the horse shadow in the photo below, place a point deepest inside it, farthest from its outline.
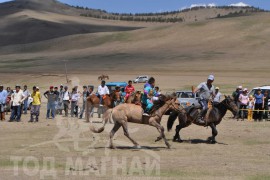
(133, 148)
(201, 141)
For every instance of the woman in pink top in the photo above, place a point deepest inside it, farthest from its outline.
(243, 99)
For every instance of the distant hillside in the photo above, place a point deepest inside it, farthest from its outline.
(186, 15)
(28, 21)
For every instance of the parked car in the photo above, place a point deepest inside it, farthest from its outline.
(187, 98)
(263, 88)
(141, 79)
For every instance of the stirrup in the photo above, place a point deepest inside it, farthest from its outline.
(146, 114)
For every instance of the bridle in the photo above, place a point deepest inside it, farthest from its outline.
(227, 105)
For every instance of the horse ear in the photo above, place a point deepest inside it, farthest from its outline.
(225, 96)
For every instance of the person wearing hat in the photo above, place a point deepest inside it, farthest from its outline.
(259, 105)
(16, 98)
(25, 102)
(217, 97)
(3, 100)
(85, 94)
(51, 96)
(102, 91)
(243, 99)
(35, 108)
(206, 92)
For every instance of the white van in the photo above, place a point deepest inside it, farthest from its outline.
(141, 79)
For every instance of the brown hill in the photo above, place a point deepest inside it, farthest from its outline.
(224, 45)
(28, 21)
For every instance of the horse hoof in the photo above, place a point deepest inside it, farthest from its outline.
(213, 142)
(168, 146)
(112, 147)
(180, 140)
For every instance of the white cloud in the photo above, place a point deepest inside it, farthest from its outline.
(197, 5)
(212, 5)
(240, 4)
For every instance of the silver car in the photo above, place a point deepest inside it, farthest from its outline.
(187, 98)
(141, 79)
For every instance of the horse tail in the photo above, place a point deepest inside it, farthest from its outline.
(171, 119)
(106, 118)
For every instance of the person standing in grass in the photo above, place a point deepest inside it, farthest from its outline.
(3, 100)
(25, 102)
(243, 99)
(75, 96)
(35, 108)
(51, 96)
(16, 98)
(66, 100)
(85, 95)
(259, 105)
(266, 107)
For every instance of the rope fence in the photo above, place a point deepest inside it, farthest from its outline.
(250, 112)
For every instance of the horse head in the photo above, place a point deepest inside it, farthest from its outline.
(230, 104)
(116, 96)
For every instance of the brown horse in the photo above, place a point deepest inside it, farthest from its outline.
(108, 102)
(188, 116)
(103, 77)
(134, 98)
(125, 113)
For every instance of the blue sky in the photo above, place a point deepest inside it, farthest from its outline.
(139, 6)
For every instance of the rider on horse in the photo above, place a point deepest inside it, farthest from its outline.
(129, 89)
(206, 90)
(103, 90)
(149, 92)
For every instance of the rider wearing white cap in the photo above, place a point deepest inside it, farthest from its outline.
(206, 91)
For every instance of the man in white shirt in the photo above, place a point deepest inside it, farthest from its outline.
(217, 96)
(66, 100)
(102, 91)
(17, 98)
(206, 91)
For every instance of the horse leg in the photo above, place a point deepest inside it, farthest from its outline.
(176, 137)
(162, 134)
(126, 133)
(117, 125)
(214, 133)
(87, 111)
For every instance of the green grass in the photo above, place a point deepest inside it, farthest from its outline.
(255, 142)
(259, 177)
(197, 24)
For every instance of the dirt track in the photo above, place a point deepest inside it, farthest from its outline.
(242, 151)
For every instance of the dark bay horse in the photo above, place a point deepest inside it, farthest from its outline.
(125, 113)
(188, 116)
